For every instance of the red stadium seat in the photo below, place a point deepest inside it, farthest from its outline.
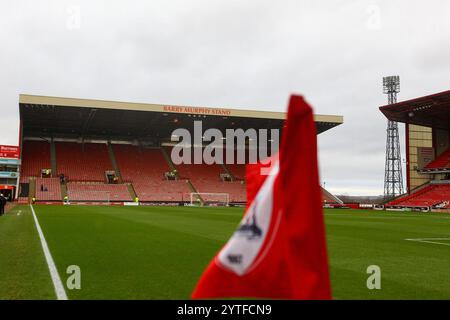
(145, 169)
(206, 179)
(429, 196)
(35, 157)
(83, 162)
(237, 170)
(94, 191)
(442, 162)
(48, 189)
(328, 198)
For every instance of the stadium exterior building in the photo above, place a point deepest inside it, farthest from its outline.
(94, 151)
(9, 170)
(427, 134)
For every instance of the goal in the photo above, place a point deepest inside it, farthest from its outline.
(210, 199)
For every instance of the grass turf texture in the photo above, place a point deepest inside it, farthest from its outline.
(160, 252)
(23, 270)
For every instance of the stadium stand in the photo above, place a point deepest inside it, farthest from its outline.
(206, 179)
(237, 170)
(91, 191)
(429, 196)
(48, 189)
(162, 191)
(329, 199)
(146, 173)
(443, 161)
(83, 162)
(35, 157)
(145, 169)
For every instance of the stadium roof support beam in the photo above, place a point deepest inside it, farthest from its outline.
(87, 122)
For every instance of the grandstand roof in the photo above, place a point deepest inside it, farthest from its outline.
(72, 118)
(429, 111)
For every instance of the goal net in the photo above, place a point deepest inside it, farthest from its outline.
(209, 199)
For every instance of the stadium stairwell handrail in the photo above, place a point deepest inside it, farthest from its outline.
(224, 167)
(387, 201)
(131, 190)
(168, 160)
(112, 158)
(420, 187)
(172, 167)
(32, 190)
(64, 191)
(193, 190)
(53, 158)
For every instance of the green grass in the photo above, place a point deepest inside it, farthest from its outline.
(23, 271)
(160, 252)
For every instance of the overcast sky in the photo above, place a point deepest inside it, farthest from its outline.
(239, 54)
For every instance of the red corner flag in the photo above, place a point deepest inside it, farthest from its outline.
(278, 250)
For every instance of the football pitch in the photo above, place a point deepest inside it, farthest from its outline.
(160, 252)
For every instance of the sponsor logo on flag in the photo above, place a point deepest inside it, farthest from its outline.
(240, 253)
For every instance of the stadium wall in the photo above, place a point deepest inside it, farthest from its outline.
(441, 141)
(417, 138)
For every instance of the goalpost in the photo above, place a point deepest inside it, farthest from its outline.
(210, 198)
(102, 196)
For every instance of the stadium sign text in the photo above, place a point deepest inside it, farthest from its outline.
(9, 152)
(198, 110)
(212, 147)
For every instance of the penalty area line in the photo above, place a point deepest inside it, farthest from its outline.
(59, 288)
(431, 240)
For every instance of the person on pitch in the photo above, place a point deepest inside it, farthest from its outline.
(2, 204)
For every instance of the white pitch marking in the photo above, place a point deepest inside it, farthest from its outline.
(59, 288)
(431, 240)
